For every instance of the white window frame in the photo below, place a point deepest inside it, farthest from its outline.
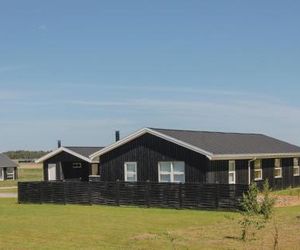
(172, 173)
(277, 166)
(231, 172)
(126, 171)
(258, 170)
(10, 175)
(76, 165)
(296, 166)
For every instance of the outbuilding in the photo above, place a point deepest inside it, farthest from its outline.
(70, 163)
(8, 168)
(186, 156)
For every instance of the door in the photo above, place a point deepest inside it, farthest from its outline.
(1, 174)
(51, 172)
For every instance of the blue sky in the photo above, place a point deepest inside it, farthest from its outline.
(78, 70)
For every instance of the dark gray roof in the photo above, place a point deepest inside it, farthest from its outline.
(6, 162)
(84, 151)
(231, 143)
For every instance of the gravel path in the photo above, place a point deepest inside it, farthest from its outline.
(8, 195)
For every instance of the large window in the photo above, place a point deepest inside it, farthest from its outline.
(130, 173)
(231, 172)
(257, 170)
(296, 169)
(277, 168)
(171, 171)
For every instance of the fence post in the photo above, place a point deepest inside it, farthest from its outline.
(118, 192)
(41, 192)
(90, 195)
(64, 192)
(148, 193)
(217, 196)
(180, 195)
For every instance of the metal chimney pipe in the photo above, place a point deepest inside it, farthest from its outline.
(59, 143)
(117, 133)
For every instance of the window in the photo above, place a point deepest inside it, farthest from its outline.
(277, 169)
(231, 172)
(257, 170)
(95, 169)
(10, 173)
(76, 165)
(130, 171)
(296, 169)
(171, 171)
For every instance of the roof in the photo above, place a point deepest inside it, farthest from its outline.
(85, 151)
(6, 162)
(80, 152)
(218, 145)
(231, 143)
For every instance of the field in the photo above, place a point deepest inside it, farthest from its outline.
(102, 227)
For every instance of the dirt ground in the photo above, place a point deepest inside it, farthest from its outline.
(286, 200)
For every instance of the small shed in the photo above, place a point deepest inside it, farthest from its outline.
(8, 168)
(70, 163)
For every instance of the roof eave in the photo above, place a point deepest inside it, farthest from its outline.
(254, 156)
(63, 149)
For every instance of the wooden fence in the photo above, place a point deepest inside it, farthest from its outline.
(146, 194)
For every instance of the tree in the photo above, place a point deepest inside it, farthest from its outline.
(256, 210)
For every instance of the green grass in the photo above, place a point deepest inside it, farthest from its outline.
(289, 191)
(25, 174)
(9, 190)
(103, 227)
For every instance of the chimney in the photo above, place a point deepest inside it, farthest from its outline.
(117, 135)
(59, 143)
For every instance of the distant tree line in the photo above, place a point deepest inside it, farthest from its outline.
(25, 154)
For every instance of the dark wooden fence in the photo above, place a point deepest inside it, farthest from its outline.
(146, 194)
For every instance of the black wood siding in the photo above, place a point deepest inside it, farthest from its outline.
(217, 172)
(287, 180)
(66, 161)
(147, 151)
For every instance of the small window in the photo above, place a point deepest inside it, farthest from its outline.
(77, 165)
(171, 172)
(231, 172)
(130, 171)
(257, 170)
(10, 173)
(296, 168)
(277, 169)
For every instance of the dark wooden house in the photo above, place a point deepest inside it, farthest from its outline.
(70, 163)
(8, 168)
(165, 155)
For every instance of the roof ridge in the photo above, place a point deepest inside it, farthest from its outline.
(205, 131)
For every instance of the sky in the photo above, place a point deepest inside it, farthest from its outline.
(79, 70)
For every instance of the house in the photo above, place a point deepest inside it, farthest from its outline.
(168, 155)
(70, 163)
(8, 168)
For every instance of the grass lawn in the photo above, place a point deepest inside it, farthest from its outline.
(103, 227)
(289, 191)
